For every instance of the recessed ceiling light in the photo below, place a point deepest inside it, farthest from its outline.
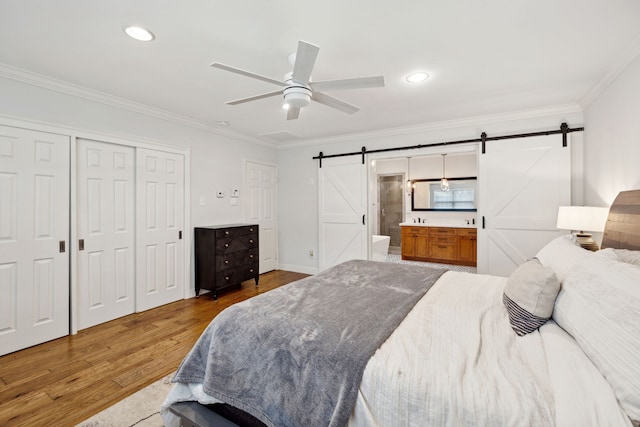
(420, 76)
(139, 33)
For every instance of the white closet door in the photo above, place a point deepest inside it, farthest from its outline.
(522, 183)
(261, 210)
(106, 228)
(34, 225)
(160, 219)
(342, 189)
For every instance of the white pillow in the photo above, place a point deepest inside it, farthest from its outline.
(562, 254)
(599, 305)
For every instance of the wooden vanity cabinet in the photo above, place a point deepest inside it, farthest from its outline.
(447, 245)
(414, 243)
(467, 246)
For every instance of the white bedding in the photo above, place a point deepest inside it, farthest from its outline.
(455, 361)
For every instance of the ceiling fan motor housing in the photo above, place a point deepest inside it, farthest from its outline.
(297, 96)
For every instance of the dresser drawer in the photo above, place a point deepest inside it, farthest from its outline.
(235, 259)
(236, 231)
(233, 276)
(467, 232)
(238, 243)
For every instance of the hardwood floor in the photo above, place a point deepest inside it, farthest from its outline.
(65, 381)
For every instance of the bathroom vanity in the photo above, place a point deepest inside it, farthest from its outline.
(443, 244)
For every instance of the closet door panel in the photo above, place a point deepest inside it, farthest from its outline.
(160, 206)
(106, 224)
(34, 232)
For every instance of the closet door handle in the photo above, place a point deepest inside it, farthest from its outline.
(62, 246)
(81, 245)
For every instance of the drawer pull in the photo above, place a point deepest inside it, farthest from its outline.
(442, 238)
(251, 256)
(226, 278)
(251, 270)
(226, 245)
(226, 233)
(226, 261)
(442, 247)
(250, 240)
(251, 229)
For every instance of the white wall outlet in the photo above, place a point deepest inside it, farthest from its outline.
(234, 201)
(234, 193)
(220, 194)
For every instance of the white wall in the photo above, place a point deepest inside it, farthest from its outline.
(216, 160)
(298, 192)
(612, 139)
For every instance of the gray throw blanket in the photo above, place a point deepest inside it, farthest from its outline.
(295, 356)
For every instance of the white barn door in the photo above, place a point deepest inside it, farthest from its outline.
(106, 229)
(261, 210)
(342, 190)
(522, 183)
(160, 224)
(34, 238)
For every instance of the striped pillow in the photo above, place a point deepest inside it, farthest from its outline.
(529, 296)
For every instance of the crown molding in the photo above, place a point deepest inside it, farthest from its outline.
(77, 91)
(622, 61)
(553, 110)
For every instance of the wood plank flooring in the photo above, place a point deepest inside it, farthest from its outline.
(65, 381)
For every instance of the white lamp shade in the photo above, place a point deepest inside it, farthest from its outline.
(582, 218)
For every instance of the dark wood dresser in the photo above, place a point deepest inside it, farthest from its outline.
(225, 255)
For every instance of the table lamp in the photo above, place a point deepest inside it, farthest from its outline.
(582, 219)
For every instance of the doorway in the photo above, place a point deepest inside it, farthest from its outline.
(390, 209)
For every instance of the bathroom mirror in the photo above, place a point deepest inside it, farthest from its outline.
(426, 195)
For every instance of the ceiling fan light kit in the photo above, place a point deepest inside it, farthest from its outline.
(297, 96)
(298, 90)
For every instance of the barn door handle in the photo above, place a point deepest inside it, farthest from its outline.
(180, 235)
(363, 220)
(81, 245)
(483, 222)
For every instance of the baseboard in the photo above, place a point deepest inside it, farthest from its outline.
(298, 268)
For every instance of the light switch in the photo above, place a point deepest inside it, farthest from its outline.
(235, 193)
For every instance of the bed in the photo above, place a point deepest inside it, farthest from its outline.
(556, 343)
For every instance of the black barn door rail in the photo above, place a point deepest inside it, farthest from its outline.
(564, 130)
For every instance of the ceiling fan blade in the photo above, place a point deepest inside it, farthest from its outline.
(330, 101)
(305, 60)
(254, 98)
(357, 83)
(293, 113)
(247, 74)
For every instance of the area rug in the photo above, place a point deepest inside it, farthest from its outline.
(141, 409)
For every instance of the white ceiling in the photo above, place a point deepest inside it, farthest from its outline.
(485, 57)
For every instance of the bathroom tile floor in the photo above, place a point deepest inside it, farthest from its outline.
(396, 258)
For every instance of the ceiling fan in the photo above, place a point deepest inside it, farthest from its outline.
(299, 90)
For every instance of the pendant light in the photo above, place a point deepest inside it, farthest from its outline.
(444, 182)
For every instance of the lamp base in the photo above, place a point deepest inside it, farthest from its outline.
(586, 242)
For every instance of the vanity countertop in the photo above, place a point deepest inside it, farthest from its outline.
(457, 224)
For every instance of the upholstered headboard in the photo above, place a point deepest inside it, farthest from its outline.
(622, 230)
